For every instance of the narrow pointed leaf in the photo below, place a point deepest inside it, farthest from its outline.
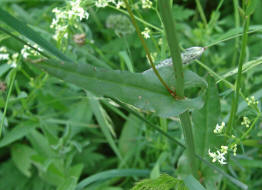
(26, 31)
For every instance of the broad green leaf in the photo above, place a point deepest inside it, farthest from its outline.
(21, 155)
(128, 139)
(17, 133)
(110, 174)
(140, 90)
(205, 121)
(26, 31)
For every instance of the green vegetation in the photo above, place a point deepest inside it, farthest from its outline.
(79, 113)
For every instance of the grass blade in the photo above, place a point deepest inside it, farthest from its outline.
(112, 174)
(26, 31)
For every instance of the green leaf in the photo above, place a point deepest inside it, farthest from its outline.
(205, 121)
(127, 60)
(129, 134)
(110, 174)
(251, 7)
(251, 163)
(21, 155)
(17, 133)
(142, 91)
(40, 144)
(69, 184)
(26, 31)
(192, 183)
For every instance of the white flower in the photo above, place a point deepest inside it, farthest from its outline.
(3, 49)
(146, 32)
(219, 128)
(120, 4)
(220, 157)
(246, 122)
(224, 149)
(13, 61)
(217, 156)
(251, 101)
(4, 56)
(27, 51)
(73, 13)
(146, 4)
(3, 53)
(101, 3)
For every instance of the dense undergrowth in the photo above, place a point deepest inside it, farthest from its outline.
(77, 111)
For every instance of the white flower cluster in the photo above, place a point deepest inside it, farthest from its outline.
(3, 54)
(73, 12)
(11, 59)
(246, 122)
(219, 155)
(14, 60)
(219, 128)
(146, 32)
(146, 4)
(105, 3)
(28, 51)
(251, 101)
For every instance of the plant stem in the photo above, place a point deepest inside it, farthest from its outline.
(201, 12)
(7, 99)
(138, 19)
(239, 76)
(146, 49)
(237, 25)
(170, 30)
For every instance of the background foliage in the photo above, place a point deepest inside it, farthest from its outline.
(67, 134)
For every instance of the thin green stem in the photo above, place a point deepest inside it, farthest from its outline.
(237, 25)
(231, 37)
(201, 12)
(7, 99)
(170, 30)
(138, 19)
(146, 49)
(188, 134)
(239, 76)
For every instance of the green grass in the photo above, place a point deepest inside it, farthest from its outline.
(79, 113)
